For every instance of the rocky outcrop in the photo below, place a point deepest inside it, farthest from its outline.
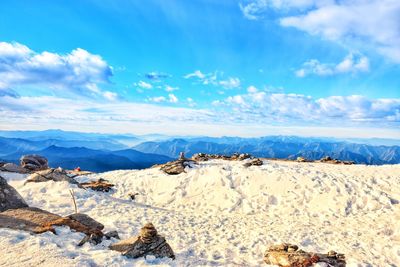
(254, 162)
(149, 242)
(288, 255)
(177, 166)
(99, 185)
(56, 175)
(34, 162)
(328, 159)
(11, 167)
(235, 156)
(9, 197)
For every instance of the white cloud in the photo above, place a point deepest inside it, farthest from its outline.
(354, 23)
(195, 74)
(158, 99)
(373, 23)
(230, 83)
(350, 64)
(252, 89)
(299, 108)
(172, 98)
(110, 95)
(77, 72)
(169, 88)
(144, 85)
(215, 79)
(190, 102)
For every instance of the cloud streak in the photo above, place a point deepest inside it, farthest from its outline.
(350, 64)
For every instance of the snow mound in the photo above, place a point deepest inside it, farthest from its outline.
(220, 213)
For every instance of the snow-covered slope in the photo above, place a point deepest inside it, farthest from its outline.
(222, 214)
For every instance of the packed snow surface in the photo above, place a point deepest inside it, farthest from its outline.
(220, 213)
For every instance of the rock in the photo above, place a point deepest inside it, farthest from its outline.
(99, 185)
(34, 162)
(112, 234)
(133, 196)
(176, 167)
(200, 157)
(56, 175)
(92, 239)
(87, 221)
(254, 162)
(288, 255)
(11, 167)
(301, 159)
(9, 197)
(244, 156)
(148, 243)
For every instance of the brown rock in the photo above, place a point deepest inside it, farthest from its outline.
(288, 255)
(176, 167)
(147, 243)
(87, 221)
(99, 185)
(254, 162)
(11, 167)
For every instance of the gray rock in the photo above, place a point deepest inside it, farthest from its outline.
(11, 167)
(34, 162)
(9, 197)
(149, 242)
(56, 175)
(254, 162)
(112, 234)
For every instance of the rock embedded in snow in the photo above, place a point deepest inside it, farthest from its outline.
(112, 234)
(87, 221)
(11, 167)
(34, 162)
(99, 185)
(56, 175)
(176, 167)
(148, 243)
(288, 255)
(9, 197)
(254, 162)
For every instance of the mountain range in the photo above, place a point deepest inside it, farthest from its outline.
(105, 152)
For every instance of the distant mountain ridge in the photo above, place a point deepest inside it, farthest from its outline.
(279, 148)
(103, 152)
(92, 160)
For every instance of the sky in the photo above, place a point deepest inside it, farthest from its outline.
(202, 67)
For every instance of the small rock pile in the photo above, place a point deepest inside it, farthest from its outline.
(34, 162)
(51, 174)
(149, 242)
(288, 255)
(328, 159)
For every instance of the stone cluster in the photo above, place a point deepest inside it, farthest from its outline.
(289, 255)
(148, 243)
(51, 174)
(177, 166)
(254, 162)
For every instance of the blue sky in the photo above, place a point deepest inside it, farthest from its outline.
(249, 68)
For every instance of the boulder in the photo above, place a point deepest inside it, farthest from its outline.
(301, 159)
(9, 197)
(176, 167)
(99, 185)
(11, 167)
(288, 255)
(200, 157)
(149, 242)
(56, 175)
(87, 221)
(34, 162)
(254, 162)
